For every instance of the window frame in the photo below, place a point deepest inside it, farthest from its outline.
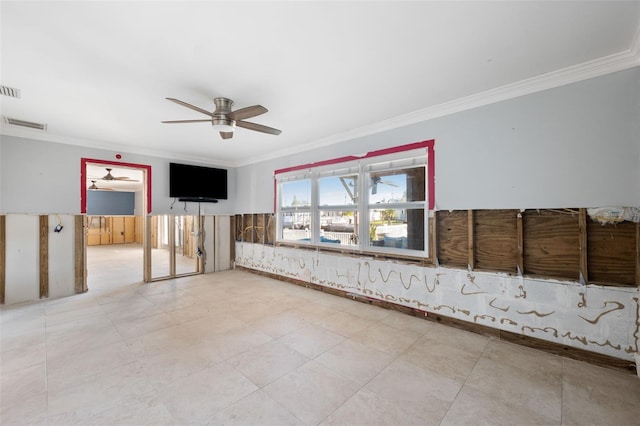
(419, 154)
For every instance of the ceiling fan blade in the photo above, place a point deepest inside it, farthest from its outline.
(226, 135)
(248, 112)
(125, 179)
(195, 108)
(188, 121)
(258, 127)
(94, 187)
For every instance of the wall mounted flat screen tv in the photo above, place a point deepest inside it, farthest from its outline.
(197, 183)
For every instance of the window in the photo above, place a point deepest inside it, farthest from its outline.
(377, 202)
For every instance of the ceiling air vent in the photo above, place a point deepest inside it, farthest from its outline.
(22, 123)
(9, 91)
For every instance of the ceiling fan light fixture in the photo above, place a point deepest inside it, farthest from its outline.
(224, 125)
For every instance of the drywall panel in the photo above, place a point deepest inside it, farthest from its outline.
(222, 243)
(600, 319)
(217, 243)
(61, 247)
(575, 145)
(52, 184)
(22, 273)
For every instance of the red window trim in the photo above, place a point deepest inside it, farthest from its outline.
(431, 176)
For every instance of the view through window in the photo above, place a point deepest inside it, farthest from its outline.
(378, 202)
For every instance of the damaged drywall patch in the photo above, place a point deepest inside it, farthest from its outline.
(610, 215)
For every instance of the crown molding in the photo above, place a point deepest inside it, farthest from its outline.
(606, 65)
(627, 59)
(107, 146)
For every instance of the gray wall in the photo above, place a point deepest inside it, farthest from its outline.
(572, 146)
(43, 177)
(111, 203)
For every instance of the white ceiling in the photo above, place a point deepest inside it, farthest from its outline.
(127, 179)
(97, 73)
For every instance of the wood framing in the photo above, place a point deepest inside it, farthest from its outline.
(248, 230)
(551, 243)
(171, 237)
(520, 243)
(238, 225)
(582, 238)
(147, 244)
(546, 243)
(612, 253)
(232, 240)
(80, 256)
(44, 256)
(470, 241)
(433, 240)
(637, 254)
(452, 238)
(270, 233)
(496, 240)
(200, 243)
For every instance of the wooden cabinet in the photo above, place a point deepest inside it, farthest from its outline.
(102, 230)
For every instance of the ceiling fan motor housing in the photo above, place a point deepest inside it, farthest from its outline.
(223, 106)
(220, 120)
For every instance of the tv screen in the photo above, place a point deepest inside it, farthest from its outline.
(197, 183)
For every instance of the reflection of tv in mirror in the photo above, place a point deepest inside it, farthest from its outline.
(197, 183)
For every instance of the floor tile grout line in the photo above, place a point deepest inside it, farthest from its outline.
(395, 357)
(464, 383)
(484, 354)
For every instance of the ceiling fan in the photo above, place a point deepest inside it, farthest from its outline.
(94, 187)
(225, 120)
(110, 177)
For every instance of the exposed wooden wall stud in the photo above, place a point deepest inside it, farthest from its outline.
(637, 254)
(147, 244)
(584, 271)
(44, 256)
(80, 258)
(433, 239)
(471, 245)
(234, 237)
(520, 236)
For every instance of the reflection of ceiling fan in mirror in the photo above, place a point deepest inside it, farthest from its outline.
(110, 177)
(224, 120)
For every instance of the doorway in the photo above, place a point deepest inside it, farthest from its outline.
(175, 246)
(115, 197)
(114, 248)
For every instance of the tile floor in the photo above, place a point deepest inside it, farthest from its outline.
(235, 348)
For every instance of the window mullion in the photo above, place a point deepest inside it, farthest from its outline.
(315, 213)
(363, 214)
